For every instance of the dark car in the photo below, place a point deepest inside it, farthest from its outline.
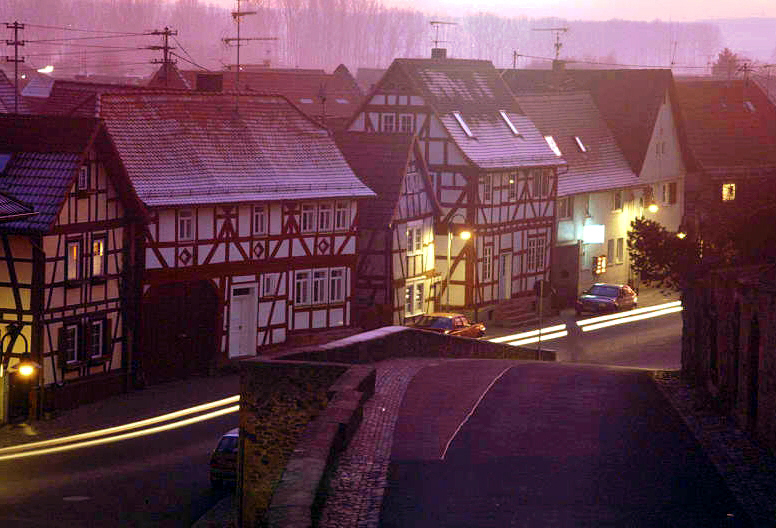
(450, 323)
(601, 298)
(223, 461)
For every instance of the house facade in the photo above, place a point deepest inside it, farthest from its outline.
(598, 193)
(252, 232)
(68, 285)
(396, 279)
(492, 174)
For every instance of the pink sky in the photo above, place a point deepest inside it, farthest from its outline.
(681, 10)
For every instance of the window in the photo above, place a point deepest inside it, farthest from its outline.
(512, 189)
(320, 279)
(73, 260)
(406, 123)
(553, 145)
(389, 123)
(509, 123)
(728, 192)
(541, 183)
(413, 299)
(535, 257)
(610, 250)
(414, 239)
(337, 285)
(586, 202)
(342, 216)
(259, 220)
(341, 100)
(185, 224)
(269, 285)
(308, 218)
(582, 147)
(324, 217)
(487, 187)
(458, 117)
(620, 250)
(487, 263)
(617, 201)
(565, 207)
(98, 255)
(302, 287)
(84, 177)
(669, 193)
(70, 348)
(749, 106)
(96, 333)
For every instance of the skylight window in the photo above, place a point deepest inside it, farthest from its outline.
(305, 100)
(749, 106)
(340, 100)
(4, 158)
(509, 123)
(554, 146)
(581, 145)
(463, 124)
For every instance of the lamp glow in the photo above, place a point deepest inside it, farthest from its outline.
(652, 208)
(26, 370)
(466, 235)
(46, 69)
(681, 235)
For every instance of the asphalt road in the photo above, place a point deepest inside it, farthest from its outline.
(153, 481)
(493, 443)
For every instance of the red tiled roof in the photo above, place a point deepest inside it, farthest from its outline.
(75, 98)
(628, 100)
(197, 148)
(569, 115)
(724, 131)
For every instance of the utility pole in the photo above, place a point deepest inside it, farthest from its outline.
(16, 43)
(515, 55)
(166, 33)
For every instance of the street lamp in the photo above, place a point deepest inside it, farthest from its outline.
(465, 235)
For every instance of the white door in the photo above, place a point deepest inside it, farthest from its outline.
(242, 321)
(505, 276)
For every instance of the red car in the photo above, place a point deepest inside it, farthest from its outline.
(450, 323)
(603, 297)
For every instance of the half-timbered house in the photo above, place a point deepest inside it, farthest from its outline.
(395, 278)
(66, 283)
(252, 237)
(493, 175)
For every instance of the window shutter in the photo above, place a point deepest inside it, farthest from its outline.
(107, 345)
(62, 360)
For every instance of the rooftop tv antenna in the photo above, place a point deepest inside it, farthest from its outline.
(557, 31)
(436, 24)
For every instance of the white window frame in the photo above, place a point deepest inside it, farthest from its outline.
(73, 259)
(580, 145)
(512, 179)
(307, 218)
(388, 122)
(84, 177)
(319, 286)
(487, 263)
(302, 287)
(259, 220)
(509, 123)
(342, 216)
(269, 283)
(669, 191)
(325, 214)
(186, 224)
(535, 256)
(565, 208)
(414, 239)
(540, 183)
(337, 285)
(466, 130)
(617, 200)
(414, 297)
(72, 354)
(406, 123)
(487, 187)
(553, 145)
(99, 323)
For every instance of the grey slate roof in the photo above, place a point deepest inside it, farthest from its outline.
(567, 115)
(196, 148)
(475, 89)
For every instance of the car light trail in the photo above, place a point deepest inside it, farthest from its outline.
(526, 335)
(620, 315)
(537, 338)
(125, 436)
(120, 428)
(630, 318)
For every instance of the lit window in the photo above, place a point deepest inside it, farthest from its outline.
(73, 261)
(302, 287)
(185, 223)
(728, 192)
(512, 186)
(259, 220)
(337, 285)
(617, 201)
(308, 218)
(320, 278)
(413, 299)
(96, 333)
(581, 145)
(324, 217)
(342, 216)
(509, 123)
(414, 240)
(487, 263)
(553, 145)
(98, 256)
(389, 123)
(462, 123)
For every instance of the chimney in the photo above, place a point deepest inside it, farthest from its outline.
(438, 53)
(558, 65)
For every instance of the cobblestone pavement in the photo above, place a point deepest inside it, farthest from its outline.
(748, 469)
(361, 477)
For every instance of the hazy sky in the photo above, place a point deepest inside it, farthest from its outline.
(677, 10)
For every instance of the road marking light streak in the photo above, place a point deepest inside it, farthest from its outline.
(125, 436)
(537, 338)
(630, 319)
(121, 428)
(620, 315)
(526, 335)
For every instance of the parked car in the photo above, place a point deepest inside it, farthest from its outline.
(223, 461)
(450, 323)
(602, 297)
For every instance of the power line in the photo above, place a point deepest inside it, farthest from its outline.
(184, 59)
(65, 28)
(87, 38)
(101, 52)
